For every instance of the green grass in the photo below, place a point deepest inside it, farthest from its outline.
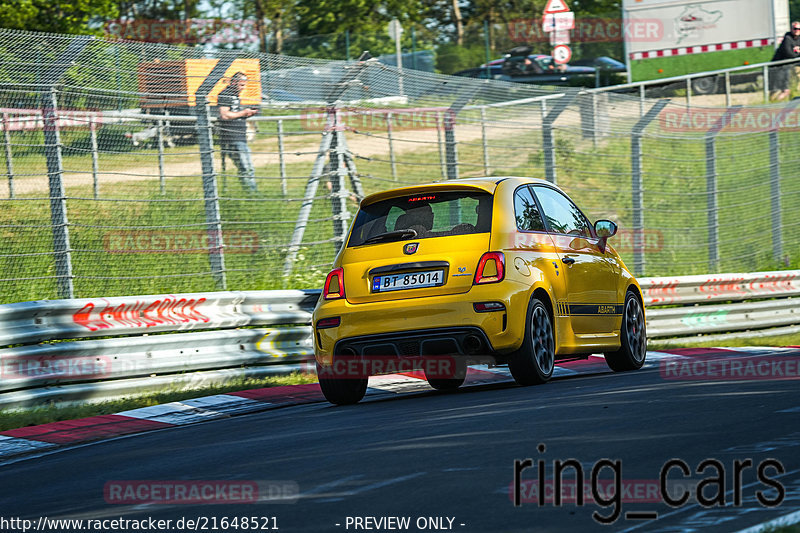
(11, 419)
(666, 67)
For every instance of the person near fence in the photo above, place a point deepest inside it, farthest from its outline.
(789, 49)
(233, 130)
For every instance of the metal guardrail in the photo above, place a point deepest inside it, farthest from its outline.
(134, 344)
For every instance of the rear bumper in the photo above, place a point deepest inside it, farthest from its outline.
(424, 326)
(438, 341)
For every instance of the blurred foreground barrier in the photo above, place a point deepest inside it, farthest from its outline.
(728, 306)
(114, 347)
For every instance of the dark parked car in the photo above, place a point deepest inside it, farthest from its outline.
(535, 68)
(609, 70)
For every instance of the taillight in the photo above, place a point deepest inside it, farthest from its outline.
(491, 268)
(330, 322)
(334, 284)
(488, 307)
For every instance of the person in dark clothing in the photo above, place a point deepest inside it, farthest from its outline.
(789, 49)
(233, 129)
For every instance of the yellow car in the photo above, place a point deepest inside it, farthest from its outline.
(508, 267)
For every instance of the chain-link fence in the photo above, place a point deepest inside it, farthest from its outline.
(116, 179)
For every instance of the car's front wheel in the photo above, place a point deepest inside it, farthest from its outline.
(341, 390)
(533, 363)
(633, 338)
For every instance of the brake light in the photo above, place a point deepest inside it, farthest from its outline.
(334, 284)
(330, 322)
(491, 268)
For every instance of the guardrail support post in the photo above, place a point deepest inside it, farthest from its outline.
(216, 254)
(548, 146)
(637, 190)
(9, 156)
(711, 188)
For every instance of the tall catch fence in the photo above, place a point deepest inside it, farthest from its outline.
(114, 182)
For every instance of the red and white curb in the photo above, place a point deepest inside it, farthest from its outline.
(687, 50)
(43, 438)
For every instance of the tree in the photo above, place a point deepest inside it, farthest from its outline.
(72, 16)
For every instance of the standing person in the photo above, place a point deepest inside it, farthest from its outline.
(789, 49)
(233, 130)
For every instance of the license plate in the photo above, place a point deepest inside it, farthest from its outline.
(414, 280)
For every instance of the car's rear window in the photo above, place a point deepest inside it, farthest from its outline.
(434, 214)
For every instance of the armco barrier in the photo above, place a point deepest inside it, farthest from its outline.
(119, 346)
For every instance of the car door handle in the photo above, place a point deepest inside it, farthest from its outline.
(567, 260)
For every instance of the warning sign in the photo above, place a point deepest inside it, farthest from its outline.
(556, 6)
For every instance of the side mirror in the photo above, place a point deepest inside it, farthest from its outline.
(605, 229)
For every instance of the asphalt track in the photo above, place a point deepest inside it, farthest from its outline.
(446, 460)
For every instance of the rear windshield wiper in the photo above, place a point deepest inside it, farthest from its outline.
(397, 235)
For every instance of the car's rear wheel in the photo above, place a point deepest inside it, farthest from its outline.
(459, 373)
(341, 390)
(533, 363)
(633, 338)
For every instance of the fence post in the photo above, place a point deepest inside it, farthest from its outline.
(216, 254)
(95, 159)
(9, 156)
(775, 182)
(637, 190)
(282, 159)
(55, 165)
(338, 191)
(775, 194)
(392, 159)
(442, 159)
(727, 89)
(711, 188)
(688, 93)
(451, 144)
(548, 146)
(765, 74)
(58, 200)
(641, 100)
(161, 177)
(485, 139)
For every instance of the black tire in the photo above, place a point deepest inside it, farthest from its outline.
(706, 85)
(533, 363)
(453, 383)
(633, 338)
(342, 391)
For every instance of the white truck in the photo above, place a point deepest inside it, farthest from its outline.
(694, 36)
